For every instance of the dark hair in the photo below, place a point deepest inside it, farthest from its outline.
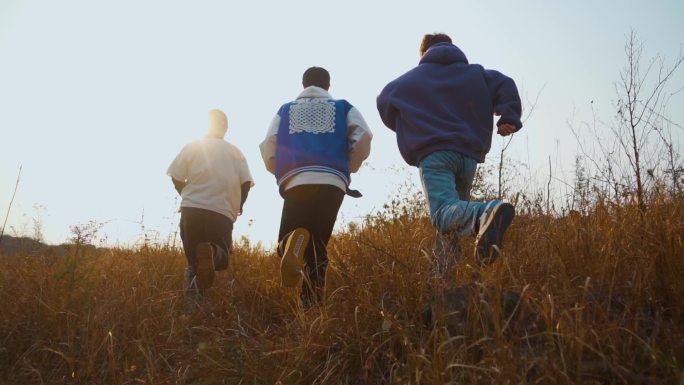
(430, 39)
(316, 76)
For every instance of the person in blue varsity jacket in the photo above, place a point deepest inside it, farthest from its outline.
(442, 113)
(312, 146)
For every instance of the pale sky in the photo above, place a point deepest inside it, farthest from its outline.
(96, 98)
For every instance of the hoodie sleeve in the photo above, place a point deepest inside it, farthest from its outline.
(505, 98)
(359, 138)
(388, 113)
(268, 146)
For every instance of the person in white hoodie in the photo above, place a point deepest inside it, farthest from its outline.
(213, 179)
(312, 146)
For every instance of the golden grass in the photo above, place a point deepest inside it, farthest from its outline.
(600, 300)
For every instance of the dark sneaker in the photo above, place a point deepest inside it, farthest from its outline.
(205, 266)
(493, 225)
(293, 257)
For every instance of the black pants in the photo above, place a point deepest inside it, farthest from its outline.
(198, 226)
(313, 207)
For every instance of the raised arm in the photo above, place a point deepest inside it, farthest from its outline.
(244, 191)
(178, 185)
(268, 146)
(388, 113)
(178, 170)
(359, 139)
(505, 98)
(246, 180)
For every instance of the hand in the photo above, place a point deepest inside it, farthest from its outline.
(505, 129)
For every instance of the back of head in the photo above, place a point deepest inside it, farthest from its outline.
(430, 39)
(218, 124)
(316, 76)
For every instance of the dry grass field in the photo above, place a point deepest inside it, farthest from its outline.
(595, 298)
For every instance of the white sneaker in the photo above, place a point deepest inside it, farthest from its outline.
(293, 257)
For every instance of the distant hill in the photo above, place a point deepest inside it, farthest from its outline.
(10, 246)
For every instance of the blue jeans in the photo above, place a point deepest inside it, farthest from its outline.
(447, 178)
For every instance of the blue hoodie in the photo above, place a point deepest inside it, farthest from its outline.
(447, 104)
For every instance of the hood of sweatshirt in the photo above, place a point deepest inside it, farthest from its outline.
(314, 92)
(444, 53)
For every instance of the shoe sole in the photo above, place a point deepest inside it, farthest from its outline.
(205, 266)
(492, 233)
(293, 257)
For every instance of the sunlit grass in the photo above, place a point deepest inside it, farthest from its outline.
(586, 299)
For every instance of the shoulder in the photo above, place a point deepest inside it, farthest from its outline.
(191, 146)
(283, 108)
(408, 77)
(234, 150)
(345, 104)
(495, 74)
(354, 113)
(476, 66)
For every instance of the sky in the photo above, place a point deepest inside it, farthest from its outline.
(97, 98)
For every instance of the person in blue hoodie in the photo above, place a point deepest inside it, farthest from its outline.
(442, 112)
